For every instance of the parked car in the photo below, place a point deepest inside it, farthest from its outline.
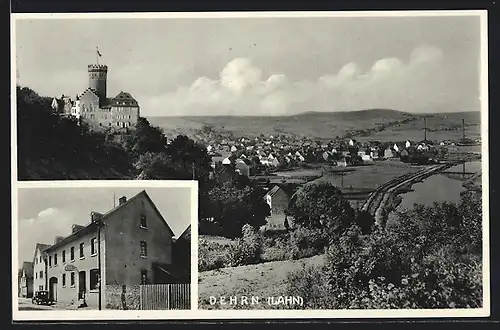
(41, 298)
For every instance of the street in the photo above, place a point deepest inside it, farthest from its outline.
(25, 304)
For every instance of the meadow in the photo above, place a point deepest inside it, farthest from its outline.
(329, 125)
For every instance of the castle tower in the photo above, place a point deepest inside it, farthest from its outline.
(98, 74)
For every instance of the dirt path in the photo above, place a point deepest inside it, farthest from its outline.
(262, 280)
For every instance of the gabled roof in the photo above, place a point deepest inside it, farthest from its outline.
(186, 234)
(92, 226)
(28, 268)
(124, 99)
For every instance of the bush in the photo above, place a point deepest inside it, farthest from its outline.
(247, 249)
(306, 242)
(212, 255)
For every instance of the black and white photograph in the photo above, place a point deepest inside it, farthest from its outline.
(104, 247)
(340, 158)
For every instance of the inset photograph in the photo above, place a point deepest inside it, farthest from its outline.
(104, 247)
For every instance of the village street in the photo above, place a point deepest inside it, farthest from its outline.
(26, 305)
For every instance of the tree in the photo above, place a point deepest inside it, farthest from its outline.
(145, 138)
(232, 208)
(320, 205)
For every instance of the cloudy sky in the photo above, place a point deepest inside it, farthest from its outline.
(48, 212)
(261, 66)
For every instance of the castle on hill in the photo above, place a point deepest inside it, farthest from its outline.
(93, 107)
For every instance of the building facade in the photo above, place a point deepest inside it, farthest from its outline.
(26, 281)
(93, 107)
(39, 269)
(133, 242)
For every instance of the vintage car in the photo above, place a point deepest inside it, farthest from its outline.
(41, 298)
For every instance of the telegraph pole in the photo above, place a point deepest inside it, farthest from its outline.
(463, 129)
(99, 283)
(425, 129)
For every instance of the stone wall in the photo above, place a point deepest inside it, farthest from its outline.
(123, 297)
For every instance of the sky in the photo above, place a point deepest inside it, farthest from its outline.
(44, 213)
(260, 66)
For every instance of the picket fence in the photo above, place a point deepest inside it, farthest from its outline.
(165, 296)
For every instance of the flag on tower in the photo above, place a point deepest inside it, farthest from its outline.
(99, 53)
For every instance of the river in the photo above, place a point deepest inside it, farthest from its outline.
(436, 188)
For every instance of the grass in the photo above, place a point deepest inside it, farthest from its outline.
(328, 125)
(262, 280)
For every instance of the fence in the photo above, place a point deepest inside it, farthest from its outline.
(165, 296)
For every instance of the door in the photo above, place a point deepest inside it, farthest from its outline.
(53, 288)
(82, 285)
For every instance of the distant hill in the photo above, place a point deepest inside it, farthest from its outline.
(321, 125)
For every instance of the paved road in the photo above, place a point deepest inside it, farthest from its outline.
(27, 305)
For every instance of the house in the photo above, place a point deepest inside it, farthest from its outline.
(26, 282)
(388, 153)
(404, 153)
(361, 153)
(209, 148)
(133, 242)
(275, 162)
(242, 168)
(234, 149)
(351, 143)
(278, 199)
(407, 144)
(342, 162)
(367, 159)
(395, 147)
(39, 269)
(326, 155)
(181, 254)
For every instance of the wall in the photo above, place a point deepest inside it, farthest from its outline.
(123, 260)
(122, 297)
(37, 268)
(68, 293)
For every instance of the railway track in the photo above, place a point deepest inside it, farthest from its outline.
(377, 200)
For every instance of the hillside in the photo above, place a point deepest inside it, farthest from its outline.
(263, 280)
(316, 124)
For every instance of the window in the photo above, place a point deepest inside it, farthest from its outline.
(55, 259)
(64, 256)
(144, 222)
(63, 280)
(50, 261)
(40, 259)
(36, 261)
(94, 279)
(93, 246)
(72, 279)
(41, 274)
(40, 287)
(144, 249)
(82, 255)
(36, 276)
(144, 276)
(72, 253)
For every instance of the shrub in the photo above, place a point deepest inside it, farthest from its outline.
(247, 249)
(212, 255)
(305, 242)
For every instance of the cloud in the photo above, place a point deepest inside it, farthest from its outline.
(413, 85)
(42, 228)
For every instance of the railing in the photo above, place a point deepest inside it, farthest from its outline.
(165, 296)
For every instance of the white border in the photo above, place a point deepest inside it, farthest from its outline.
(143, 184)
(252, 314)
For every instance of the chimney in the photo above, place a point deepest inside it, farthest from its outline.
(122, 200)
(57, 239)
(94, 216)
(76, 228)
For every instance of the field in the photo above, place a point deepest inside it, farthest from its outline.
(329, 125)
(371, 176)
(263, 280)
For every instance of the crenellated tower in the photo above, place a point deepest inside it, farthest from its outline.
(98, 74)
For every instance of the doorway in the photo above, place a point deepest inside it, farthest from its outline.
(82, 285)
(53, 288)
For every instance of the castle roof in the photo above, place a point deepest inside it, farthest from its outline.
(124, 99)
